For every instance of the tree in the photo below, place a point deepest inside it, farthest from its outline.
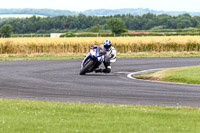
(198, 27)
(6, 30)
(95, 28)
(116, 25)
(179, 25)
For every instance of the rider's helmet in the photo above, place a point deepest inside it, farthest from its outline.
(107, 44)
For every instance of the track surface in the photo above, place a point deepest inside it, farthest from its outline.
(59, 80)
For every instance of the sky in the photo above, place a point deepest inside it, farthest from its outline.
(81, 5)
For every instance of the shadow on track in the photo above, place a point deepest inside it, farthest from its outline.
(97, 74)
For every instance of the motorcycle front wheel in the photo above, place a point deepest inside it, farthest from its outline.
(87, 67)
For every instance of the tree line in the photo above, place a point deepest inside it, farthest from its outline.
(82, 22)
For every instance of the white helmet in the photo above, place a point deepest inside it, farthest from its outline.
(107, 44)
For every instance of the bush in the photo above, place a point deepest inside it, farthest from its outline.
(30, 35)
(68, 34)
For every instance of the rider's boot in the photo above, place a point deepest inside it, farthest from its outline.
(98, 71)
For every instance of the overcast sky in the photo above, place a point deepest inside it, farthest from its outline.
(81, 5)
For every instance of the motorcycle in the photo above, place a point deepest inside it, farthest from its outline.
(93, 60)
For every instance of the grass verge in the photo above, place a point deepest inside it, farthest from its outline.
(47, 56)
(42, 57)
(52, 117)
(189, 75)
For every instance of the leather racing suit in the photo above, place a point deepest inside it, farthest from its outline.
(107, 56)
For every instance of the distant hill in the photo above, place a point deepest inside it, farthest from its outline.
(138, 11)
(43, 12)
(96, 12)
(18, 15)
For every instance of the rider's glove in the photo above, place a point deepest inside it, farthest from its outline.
(101, 58)
(112, 55)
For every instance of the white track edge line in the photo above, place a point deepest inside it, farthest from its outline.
(164, 82)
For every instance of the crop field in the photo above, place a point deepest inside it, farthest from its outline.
(124, 45)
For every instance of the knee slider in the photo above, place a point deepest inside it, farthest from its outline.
(107, 70)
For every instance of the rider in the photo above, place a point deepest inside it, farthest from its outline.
(109, 55)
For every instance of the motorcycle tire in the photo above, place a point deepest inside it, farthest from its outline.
(87, 67)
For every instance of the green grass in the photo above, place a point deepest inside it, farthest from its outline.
(41, 57)
(4, 57)
(189, 75)
(23, 116)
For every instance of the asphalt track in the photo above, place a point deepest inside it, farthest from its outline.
(59, 80)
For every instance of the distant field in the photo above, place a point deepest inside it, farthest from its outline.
(81, 45)
(174, 46)
(18, 15)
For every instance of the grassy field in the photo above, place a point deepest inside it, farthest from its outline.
(189, 75)
(51, 117)
(47, 56)
(39, 57)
